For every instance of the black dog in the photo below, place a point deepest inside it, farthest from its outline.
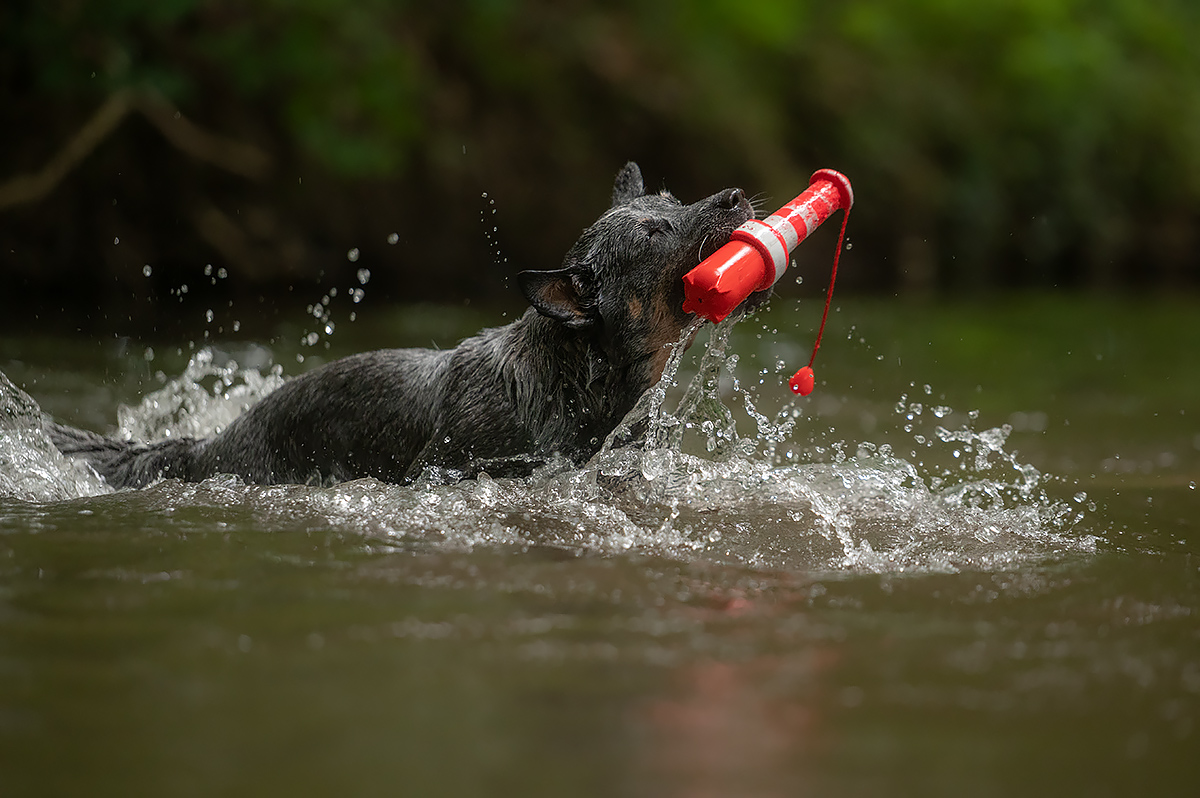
(558, 380)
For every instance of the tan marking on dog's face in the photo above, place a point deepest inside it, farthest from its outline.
(663, 332)
(635, 309)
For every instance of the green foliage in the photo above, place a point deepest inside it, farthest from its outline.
(338, 74)
(1067, 122)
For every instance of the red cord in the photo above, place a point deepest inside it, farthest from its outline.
(803, 380)
(829, 296)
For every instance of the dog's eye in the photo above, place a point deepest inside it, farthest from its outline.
(652, 227)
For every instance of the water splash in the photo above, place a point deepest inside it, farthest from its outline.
(676, 478)
(31, 469)
(199, 403)
(873, 511)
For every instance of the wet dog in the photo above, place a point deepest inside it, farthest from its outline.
(555, 382)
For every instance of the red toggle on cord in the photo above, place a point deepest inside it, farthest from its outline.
(757, 255)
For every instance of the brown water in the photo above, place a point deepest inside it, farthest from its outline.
(896, 596)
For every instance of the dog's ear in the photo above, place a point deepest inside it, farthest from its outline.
(566, 295)
(628, 185)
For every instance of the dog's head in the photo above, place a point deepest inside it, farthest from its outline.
(622, 281)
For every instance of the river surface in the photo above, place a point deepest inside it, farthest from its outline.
(969, 564)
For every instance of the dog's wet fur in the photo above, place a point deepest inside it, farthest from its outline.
(555, 382)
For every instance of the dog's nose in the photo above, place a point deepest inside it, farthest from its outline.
(731, 199)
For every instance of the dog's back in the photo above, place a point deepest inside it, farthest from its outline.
(341, 421)
(364, 415)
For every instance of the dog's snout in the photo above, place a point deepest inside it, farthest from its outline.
(731, 199)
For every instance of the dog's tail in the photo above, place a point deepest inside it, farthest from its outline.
(127, 464)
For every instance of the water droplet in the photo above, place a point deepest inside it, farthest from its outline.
(148, 354)
(116, 241)
(207, 269)
(353, 315)
(237, 325)
(363, 275)
(352, 255)
(146, 270)
(208, 315)
(329, 328)
(221, 273)
(357, 295)
(394, 238)
(849, 245)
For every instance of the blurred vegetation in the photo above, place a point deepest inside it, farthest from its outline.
(992, 144)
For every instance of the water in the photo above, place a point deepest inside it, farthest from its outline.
(898, 586)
